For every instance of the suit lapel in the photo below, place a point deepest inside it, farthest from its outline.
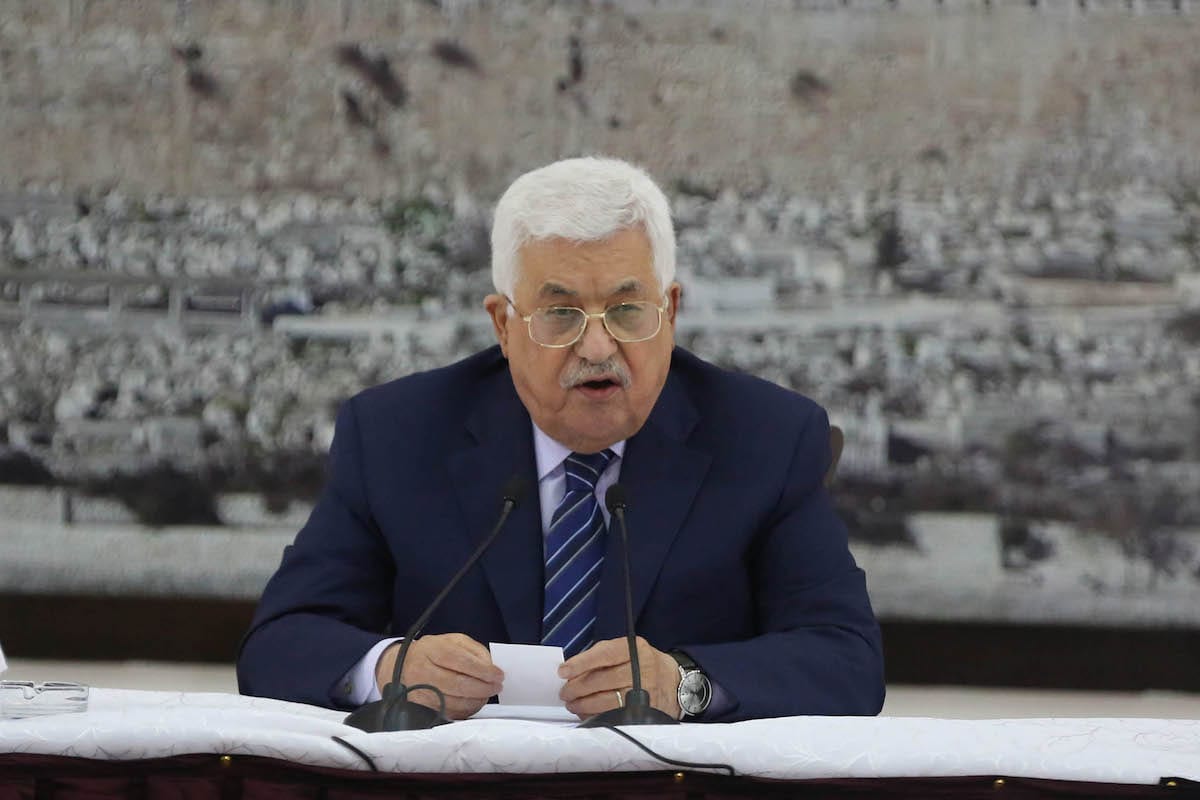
(661, 476)
(501, 445)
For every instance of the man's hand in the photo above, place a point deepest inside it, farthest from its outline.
(595, 676)
(456, 664)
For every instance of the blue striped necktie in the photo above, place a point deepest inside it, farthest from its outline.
(574, 554)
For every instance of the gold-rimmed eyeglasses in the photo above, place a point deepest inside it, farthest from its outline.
(563, 326)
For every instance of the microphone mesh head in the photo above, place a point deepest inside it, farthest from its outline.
(614, 498)
(515, 488)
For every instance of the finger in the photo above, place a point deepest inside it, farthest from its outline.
(470, 661)
(461, 644)
(467, 643)
(464, 685)
(593, 704)
(449, 681)
(458, 657)
(605, 679)
(602, 654)
(459, 685)
(426, 697)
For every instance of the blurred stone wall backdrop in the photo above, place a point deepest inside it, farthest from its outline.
(968, 228)
(223, 98)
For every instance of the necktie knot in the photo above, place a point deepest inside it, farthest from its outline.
(584, 470)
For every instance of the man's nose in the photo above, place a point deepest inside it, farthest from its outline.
(596, 344)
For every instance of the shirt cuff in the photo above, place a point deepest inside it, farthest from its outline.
(358, 686)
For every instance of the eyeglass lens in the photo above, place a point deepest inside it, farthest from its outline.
(625, 321)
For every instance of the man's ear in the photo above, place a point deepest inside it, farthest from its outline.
(496, 306)
(674, 292)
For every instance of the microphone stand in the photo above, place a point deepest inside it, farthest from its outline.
(637, 709)
(395, 712)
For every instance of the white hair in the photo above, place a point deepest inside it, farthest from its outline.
(582, 200)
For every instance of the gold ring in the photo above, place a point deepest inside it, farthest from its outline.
(620, 698)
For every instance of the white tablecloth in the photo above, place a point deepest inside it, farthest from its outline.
(123, 725)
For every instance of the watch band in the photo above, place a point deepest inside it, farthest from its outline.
(686, 662)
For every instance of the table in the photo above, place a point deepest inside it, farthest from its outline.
(205, 745)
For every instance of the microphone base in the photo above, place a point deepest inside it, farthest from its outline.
(629, 715)
(404, 715)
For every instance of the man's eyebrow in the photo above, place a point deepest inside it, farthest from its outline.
(556, 290)
(629, 286)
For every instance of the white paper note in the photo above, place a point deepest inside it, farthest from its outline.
(530, 674)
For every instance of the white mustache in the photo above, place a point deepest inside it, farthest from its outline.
(584, 371)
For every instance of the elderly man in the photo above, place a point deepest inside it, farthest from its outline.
(746, 598)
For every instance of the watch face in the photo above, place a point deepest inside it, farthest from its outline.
(694, 693)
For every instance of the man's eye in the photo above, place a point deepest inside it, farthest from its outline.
(560, 313)
(624, 311)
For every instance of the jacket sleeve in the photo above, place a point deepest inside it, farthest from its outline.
(818, 649)
(328, 603)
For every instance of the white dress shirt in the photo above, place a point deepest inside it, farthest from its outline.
(358, 685)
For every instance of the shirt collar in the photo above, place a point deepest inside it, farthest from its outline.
(550, 454)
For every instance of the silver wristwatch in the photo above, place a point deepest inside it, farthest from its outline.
(695, 690)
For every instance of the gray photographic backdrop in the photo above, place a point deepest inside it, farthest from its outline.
(971, 230)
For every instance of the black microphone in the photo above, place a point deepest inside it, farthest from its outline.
(395, 712)
(637, 709)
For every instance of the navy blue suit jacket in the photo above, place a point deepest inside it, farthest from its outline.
(737, 555)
